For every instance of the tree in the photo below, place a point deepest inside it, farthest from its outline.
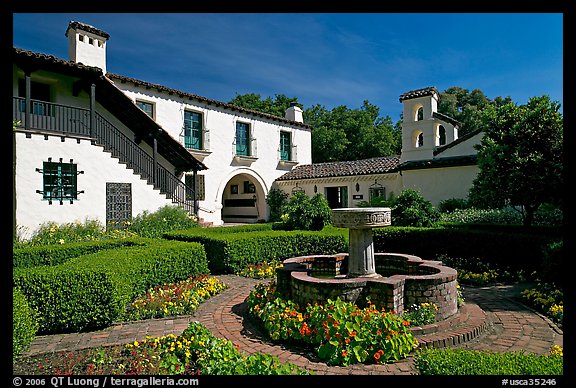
(410, 208)
(466, 107)
(275, 107)
(351, 134)
(305, 213)
(276, 200)
(520, 157)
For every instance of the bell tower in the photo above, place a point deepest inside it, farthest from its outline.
(423, 127)
(87, 45)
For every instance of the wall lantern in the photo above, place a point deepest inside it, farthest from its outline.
(357, 187)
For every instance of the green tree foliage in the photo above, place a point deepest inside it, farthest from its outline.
(412, 209)
(275, 106)
(520, 157)
(467, 106)
(305, 213)
(351, 134)
(276, 200)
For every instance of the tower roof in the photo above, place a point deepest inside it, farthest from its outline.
(429, 91)
(86, 27)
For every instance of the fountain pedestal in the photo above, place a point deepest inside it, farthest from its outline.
(360, 222)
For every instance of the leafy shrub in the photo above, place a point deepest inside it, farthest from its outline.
(276, 200)
(547, 299)
(482, 216)
(477, 272)
(420, 315)
(341, 332)
(198, 351)
(411, 209)
(451, 204)
(305, 213)
(69, 232)
(552, 263)
(24, 323)
(431, 361)
(165, 219)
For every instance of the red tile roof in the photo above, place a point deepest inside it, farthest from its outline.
(418, 93)
(377, 165)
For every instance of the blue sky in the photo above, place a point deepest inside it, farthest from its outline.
(330, 59)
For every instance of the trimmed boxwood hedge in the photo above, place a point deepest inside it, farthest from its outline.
(221, 230)
(91, 291)
(230, 252)
(53, 254)
(24, 323)
(513, 248)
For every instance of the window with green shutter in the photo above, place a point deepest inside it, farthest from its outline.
(193, 130)
(285, 146)
(242, 139)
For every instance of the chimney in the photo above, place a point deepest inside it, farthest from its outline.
(294, 113)
(87, 45)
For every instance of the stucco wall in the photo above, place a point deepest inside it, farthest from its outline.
(98, 166)
(437, 184)
(221, 163)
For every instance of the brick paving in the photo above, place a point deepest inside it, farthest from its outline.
(492, 319)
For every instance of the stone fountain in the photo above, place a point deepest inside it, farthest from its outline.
(393, 281)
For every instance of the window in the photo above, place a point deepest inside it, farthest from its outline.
(420, 141)
(441, 135)
(38, 92)
(200, 186)
(242, 139)
(193, 130)
(147, 107)
(59, 181)
(420, 114)
(249, 187)
(285, 146)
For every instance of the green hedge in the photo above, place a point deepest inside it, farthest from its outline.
(55, 254)
(91, 291)
(229, 253)
(24, 322)
(502, 248)
(220, 230)
(446, 362)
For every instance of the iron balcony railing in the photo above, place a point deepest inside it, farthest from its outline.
(69, 120)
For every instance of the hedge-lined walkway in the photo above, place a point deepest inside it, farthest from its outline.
(492, 319)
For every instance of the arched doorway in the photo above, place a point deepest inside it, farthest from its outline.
(244, 200)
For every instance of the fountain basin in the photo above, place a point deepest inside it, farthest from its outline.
(403, 280)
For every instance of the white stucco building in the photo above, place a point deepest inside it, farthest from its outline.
(96, 145)
(90, 144)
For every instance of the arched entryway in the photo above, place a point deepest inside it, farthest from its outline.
(244, 199)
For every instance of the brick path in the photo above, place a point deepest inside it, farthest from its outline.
(491, 319)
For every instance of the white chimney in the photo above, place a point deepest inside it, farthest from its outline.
(87, 45)
(294, 113)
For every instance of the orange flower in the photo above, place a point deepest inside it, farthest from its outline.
(353, 334)
(347, 340)
(376, 356)
(344, 353)
(378, 332)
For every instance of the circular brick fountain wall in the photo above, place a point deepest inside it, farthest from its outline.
(393, 281)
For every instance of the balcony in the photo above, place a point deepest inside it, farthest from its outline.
(244, 151)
